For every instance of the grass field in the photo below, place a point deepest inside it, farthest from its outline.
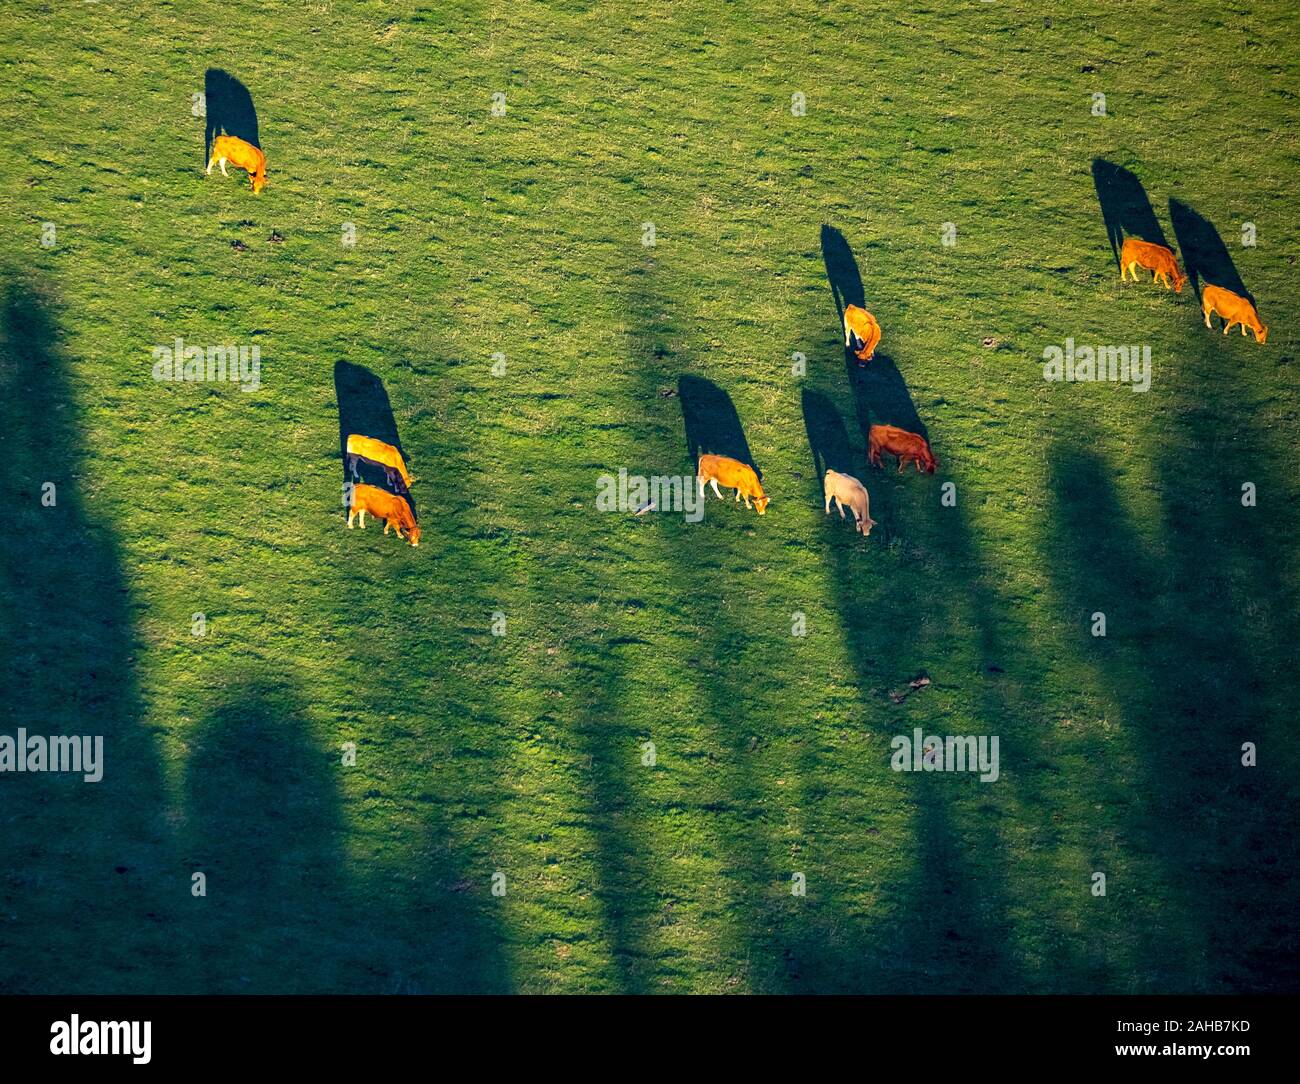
(522, 754)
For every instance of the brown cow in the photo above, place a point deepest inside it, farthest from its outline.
(1234, 309)
(1154, 258)
(909, 447)
(389, 507)
(860, 323)
(228, 148)
(732, 472)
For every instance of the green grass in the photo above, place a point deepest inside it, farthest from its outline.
(521, 754)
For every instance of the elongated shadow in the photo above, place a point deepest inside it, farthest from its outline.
(1125, 209)
(712, 424)
(88, 880)
(365, 409)
(827, 437)
(229, 110)
(1190, 675)
(842, 271)
(880, 394)
(1204, 253)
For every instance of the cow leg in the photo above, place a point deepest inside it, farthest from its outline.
(212, 162)
(351, 513)
(386, 526)
(1243, 330)
(716, 491)
(747, 504)
(1207, 319)
(701, 481)
(363, 519)
(222, 163)
(398, 529)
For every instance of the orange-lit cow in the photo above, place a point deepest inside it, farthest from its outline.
(1157, 259)
(733, 474)
(1234, 309)
(389, 507)
(860, 324)
(228, 148)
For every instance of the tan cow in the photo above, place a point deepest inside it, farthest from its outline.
(1152, 257)
(845, 489)
(389, 507)
(1234, 309)
(379, 452)
(228, 148)
(860, 324)
(732, 473)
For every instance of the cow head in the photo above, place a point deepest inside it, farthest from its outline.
(1179, 281)
(865, 526)
(761, 504)
(259, 182)
(413, 535)
(1261, 333)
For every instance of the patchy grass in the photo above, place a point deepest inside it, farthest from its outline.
(523, 754)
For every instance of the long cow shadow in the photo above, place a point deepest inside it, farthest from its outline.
(1204, 253)
(365, 409)
(711, 422)
(880, 394)
(229, 110)
(1125, 208)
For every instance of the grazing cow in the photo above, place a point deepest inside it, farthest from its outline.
(379, 452)
(228, 148)
(389, 507)
(732, 472)
(860, 324)
(845, 489)
(1234, 309)
(909, 447)
(1154, 258)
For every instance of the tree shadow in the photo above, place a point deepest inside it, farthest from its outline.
(1188, 669)
(1125, 208)
(364, 408)
(84, 880)
(712, 424)
(1204, 254)
(229, 109)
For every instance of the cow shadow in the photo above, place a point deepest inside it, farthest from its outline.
(842, 270)
(229, 109)
(365, 409)
(712, 424)
(880, 395)
(1205, 256)
(827, 436)
(1125, 208)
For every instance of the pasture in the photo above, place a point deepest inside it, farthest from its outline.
(501, 314)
